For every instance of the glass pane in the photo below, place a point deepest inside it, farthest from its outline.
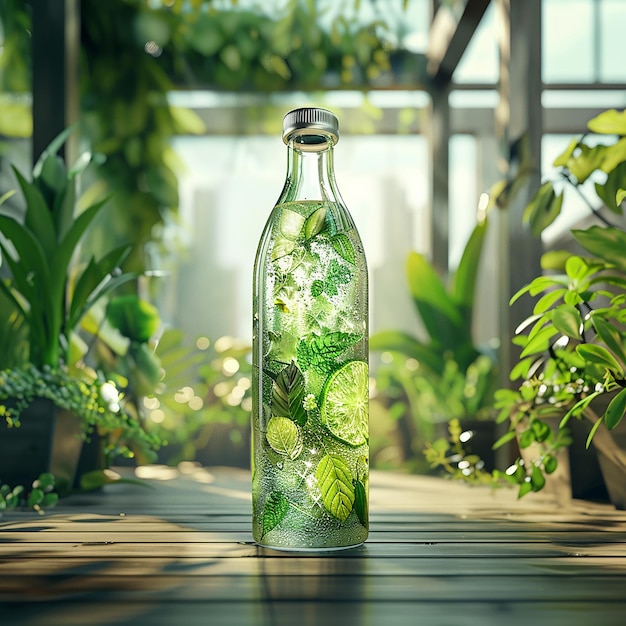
(480, 61)
(231, 184)
(568, 52)
(611, 36)
(463, 198)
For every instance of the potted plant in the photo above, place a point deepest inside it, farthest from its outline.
(572, 363)
(49, 287)
(441, 379)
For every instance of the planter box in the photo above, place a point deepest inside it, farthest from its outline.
(48, 440)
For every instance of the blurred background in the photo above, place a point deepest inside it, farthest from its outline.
(442, 105)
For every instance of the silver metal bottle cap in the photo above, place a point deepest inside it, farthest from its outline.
(310, 121)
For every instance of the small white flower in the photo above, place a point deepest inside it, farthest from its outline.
(309, 403)
(110, 395)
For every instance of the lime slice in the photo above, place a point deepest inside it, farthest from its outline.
(344, 406)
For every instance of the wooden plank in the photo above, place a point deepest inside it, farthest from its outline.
(176, 536)
(326, 588)
(79, 612)
(107, 550)
(51, 567)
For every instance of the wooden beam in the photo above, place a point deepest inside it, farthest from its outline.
(519, 113)
(439, 148)
(55, 50)
(449, 37)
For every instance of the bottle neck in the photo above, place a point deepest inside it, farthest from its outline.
(310, 169)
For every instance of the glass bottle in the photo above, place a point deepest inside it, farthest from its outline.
(310, 441)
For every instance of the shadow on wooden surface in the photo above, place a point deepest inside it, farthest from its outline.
(439, 554)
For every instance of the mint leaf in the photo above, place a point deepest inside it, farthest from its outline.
(320, 351)
(276, 507)
(288, 393)
(343, 247)
(317, 288)
(335, 483)
(337, 275)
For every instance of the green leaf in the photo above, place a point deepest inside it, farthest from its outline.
(284, 437)
(403, 343)
(588, 161)
(548, 300)
(91, 278)
(360, 502)
(288, 393)
(543, 209)
(276, 508)
(135, 318)
(508, 436)
(611, 122)
(320, 351)
(564, 157)
(615, 157)
(337, 275)
(620, 195)
(343, 247)
(45, 481)
(550, 464)
(107, 286)
(524, 488)
(35, 497)
(52, 148)
(464, 282)
(61, 260)
(592, 432)
(616, 409)
(317, 288)
(50, 500)
(315, 223)
(608, 191)
(605, 243)
(540, 342)
(611, 336)
(441, 317)
(578, 408)
(282, 247)
(599, 355)
(567, 320)
(38, 218)
(335, 483)
(555, 260)
(537, 479)
(540, 430)
(527, 438)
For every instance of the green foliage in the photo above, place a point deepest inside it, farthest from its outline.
(450, 455)
(50, 291)
(425, 381)
(321, 351)
(288, 394)
(573, 346)
(204, 388)
(97, 404)
(336, 486)
(276, 508)
(134, 52)
(40, 497)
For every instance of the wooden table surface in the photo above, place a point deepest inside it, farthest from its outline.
(440, 553)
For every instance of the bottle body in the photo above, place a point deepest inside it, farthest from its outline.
(310, 453)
